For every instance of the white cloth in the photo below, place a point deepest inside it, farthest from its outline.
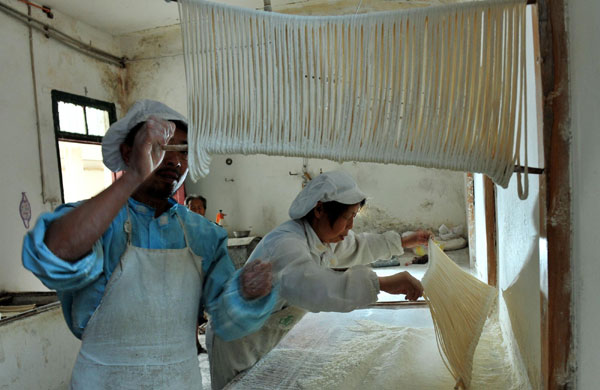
(336, 186)
(117, 132)
(142, 336)
(302, 268)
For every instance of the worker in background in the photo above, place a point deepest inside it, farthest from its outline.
(303, 252)
(133, 269)
(196, 203)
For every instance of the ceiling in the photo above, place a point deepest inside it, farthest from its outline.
(119, 17)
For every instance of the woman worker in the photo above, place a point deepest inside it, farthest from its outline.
(302, 252)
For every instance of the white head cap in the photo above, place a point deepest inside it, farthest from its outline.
(115, 136)
(336, 186)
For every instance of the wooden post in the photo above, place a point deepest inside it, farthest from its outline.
(557, 347)
(489, 194)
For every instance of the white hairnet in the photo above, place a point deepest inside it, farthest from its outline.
(140, 112)
(336, 186)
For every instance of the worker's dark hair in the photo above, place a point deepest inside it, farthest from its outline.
(189, 198)
(131, 135)
(333, 210)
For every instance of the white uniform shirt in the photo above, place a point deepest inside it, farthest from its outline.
(302, 266)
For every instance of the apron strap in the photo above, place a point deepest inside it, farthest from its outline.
(197, 259)
(185, 237)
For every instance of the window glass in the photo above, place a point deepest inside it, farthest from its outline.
(71, 118)
(97, 121)
(83, 173)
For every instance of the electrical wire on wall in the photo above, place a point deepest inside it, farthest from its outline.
(44, 9)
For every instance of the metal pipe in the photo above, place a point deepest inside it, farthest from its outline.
(51, 32)
(37, 109)
(533, 171)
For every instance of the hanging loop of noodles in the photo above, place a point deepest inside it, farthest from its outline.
(459, 304)
(435, 87)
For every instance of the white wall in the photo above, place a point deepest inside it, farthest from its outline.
(518, 250)
(37, 352)
(584, 68)
(480, 250)
(262, 190)
(519, 273)
(56, 67)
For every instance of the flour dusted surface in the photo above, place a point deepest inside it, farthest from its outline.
(367, 349)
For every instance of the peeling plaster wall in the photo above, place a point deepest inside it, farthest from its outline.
(57, 67)
(584, 68)
(156, 69)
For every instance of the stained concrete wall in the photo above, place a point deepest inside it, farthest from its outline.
(584, 70)
(260, 190)
(56, 67)
(37, 352)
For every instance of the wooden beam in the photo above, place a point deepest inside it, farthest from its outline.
(489, 195)
(557, 348)
(543, 258)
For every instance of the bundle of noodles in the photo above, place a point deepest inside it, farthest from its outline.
(459, 304)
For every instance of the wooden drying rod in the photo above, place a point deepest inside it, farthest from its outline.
(518, 168)
(400, 303)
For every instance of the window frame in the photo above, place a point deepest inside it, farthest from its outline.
(59, 96)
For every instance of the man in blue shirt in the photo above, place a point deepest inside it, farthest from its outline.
(133, 269)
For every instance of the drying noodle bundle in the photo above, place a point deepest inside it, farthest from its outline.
(459, 304)
(436, 87)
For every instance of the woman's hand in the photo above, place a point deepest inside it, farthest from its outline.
(256, 280)
(420, 237)
(402, 283)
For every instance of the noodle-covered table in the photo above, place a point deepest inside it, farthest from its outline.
(375, 348)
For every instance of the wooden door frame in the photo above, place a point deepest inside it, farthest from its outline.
(558, 358)
(557, 340)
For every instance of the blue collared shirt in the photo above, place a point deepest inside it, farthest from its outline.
(80, 285)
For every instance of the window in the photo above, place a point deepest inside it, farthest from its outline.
(79, 125)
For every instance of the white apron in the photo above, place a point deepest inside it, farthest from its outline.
(143, 333)
(229, 358)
